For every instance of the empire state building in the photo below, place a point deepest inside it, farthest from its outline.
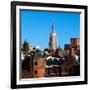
(53, 39)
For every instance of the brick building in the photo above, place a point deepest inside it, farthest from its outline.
(70, 66)
(39, 68)
(26, 67)
(72, 48)
(75, 42)
(33, 65)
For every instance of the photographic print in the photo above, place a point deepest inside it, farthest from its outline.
(49, 44)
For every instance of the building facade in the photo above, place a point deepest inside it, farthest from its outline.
(39, 68)
(75, 42)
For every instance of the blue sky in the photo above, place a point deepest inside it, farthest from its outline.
(36, 27)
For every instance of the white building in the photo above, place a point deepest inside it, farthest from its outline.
(53, 39)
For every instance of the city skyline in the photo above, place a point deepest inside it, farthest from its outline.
(36, 27)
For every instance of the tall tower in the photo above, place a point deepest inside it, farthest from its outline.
(53, 39)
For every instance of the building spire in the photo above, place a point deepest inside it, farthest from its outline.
(53, 39)
(53, 29)
(59, 46)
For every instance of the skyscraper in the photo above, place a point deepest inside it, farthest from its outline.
(53, 39)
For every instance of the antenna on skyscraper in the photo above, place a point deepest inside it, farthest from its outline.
(53, 28)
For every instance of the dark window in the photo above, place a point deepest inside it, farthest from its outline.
(35, 63)
(35, 71)
(67, 62)
(65, 69)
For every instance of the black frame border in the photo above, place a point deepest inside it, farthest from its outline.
(13, 44)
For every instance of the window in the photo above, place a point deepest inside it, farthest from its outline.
(35, 71)
(35, 63)
(65, 69)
